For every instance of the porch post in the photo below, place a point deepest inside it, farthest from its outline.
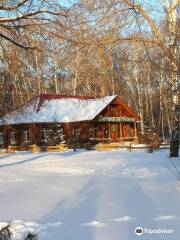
(109, 126)
(121, 135)
(135, 132)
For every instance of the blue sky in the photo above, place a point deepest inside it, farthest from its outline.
(67, 3)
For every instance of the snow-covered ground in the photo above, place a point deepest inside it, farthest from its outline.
(90, 195)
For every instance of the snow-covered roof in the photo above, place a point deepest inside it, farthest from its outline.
(59, 110)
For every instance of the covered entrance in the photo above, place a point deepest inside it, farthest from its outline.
(119, 128)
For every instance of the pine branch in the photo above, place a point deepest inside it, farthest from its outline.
(5, 232)
(31, 236)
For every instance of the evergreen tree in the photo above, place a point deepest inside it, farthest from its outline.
(56, 135)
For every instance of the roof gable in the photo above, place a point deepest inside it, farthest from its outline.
(128, 111)
(131, 112)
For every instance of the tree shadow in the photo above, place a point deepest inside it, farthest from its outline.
(74, 216)
(140, 205)
(71, 153)
(6, 155)
(38, 156)
(22, 162)
(138, 202)
(123, 205)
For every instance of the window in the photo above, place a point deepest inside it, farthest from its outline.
(1, 138)
(45, 133)
(76, 133)
(93, 132)
(26, 136)
(13, 138)
(106, 132)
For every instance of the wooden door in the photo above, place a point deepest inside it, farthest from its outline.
(114, 132)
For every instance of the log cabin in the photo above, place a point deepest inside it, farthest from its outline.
(103, 119)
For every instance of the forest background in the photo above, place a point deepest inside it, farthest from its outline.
(95, 48)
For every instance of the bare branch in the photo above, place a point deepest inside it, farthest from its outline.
(16, 43)
(139, 8)
(155, 29)
(29, 15)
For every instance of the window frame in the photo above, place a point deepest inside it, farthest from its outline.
(25, 134)
(93, 132)
(13, 141)
(44, 133)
